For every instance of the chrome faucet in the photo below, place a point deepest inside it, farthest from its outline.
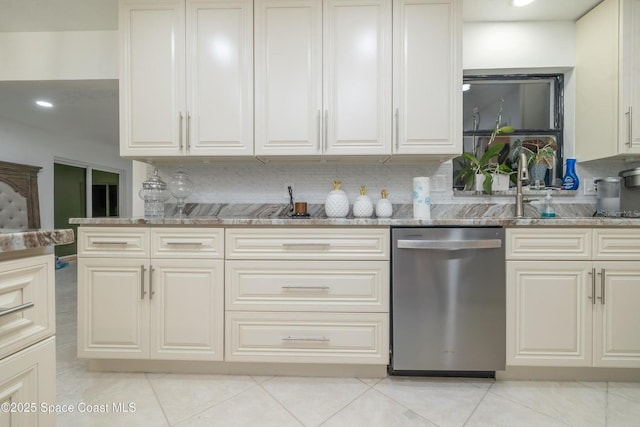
(523, 175)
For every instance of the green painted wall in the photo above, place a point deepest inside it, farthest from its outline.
(69, 201)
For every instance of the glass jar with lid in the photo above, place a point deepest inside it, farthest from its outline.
(154, 193)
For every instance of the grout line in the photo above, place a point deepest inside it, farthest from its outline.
(349, 403)
(155, 394)
(278, 402)
(478, 404)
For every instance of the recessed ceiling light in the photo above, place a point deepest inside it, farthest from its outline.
(520, 3)
(45, 104)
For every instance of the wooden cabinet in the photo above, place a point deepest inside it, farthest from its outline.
(563, 310)
(165, 306)
(27, 381)
(186, 78)
(427, 82)
(27, 342)
(608, 81)
(27, 302)
(307, 295)
(323, 77)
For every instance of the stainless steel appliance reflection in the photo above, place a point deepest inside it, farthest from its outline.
(448, 301)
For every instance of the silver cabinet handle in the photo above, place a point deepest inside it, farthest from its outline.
(180, 131)
(630, 113)
(326, 130)
(397, 129)
(151, 291)
(16, 309)
(592, 297)
(307, 339)
(602, 284)
(109, 243)
(319, 130)
(142, 272)
(310, 288)
(450, 245)
(188, 132)
(184, 243)
(318, 246)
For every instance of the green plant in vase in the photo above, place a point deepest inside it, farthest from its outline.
(486, 166)
(540, 156)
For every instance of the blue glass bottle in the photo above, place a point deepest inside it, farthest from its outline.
(570, 180)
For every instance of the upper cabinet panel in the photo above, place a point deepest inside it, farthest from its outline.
(608, 81)
(186, 78)
(323, 77)
(151, 77)
(427, 69)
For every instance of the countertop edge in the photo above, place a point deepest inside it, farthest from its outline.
(16, 240)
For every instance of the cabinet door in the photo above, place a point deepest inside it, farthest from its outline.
(187, 309)
(152, 86)
(219, 77)
(549, 313)
(617, 315)
(27, 380)
(113, 308)
(357, 76)
(427, 71)
(629, 141)
(288, 78)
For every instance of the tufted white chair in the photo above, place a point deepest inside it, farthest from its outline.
(13, 209)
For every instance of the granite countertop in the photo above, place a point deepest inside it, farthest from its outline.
(445, 214)
(15, 240)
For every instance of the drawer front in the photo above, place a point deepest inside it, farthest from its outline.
(187, 243)
(358, 286)
(360, 338)
(548, 244)
(616, 244)
(113, 242)
(27, 302)
(308, 243)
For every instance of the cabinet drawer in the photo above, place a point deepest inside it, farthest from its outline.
(548, 244)
(616, 244)
(113, 241)
(187, 243)
(307, 337)
(308, 243)
(27, 302)
(307, 286)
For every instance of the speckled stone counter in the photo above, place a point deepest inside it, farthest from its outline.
(218, 214)
(16, 240)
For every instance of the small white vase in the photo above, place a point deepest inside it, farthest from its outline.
(384, 208)
(337, 203)
(363, 207)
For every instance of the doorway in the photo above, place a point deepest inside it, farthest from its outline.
(69, 201)
(82, 191)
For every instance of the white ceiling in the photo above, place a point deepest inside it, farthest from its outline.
(89, 109)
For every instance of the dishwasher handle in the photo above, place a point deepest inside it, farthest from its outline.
(450, 245)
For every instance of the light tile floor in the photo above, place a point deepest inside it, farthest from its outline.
(221, 400)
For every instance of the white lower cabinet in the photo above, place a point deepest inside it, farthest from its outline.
(27, 382)
(307, 295)
(153, 308)
(567, 312)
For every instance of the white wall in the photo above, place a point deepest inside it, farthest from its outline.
(28, 145)
(61, 55)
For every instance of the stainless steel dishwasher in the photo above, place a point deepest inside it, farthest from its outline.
(448, 301)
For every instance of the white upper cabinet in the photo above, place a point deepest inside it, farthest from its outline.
(427, 82)
(323, 77)
(608, 81)
(186, 78)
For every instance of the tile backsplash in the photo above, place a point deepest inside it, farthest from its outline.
(254, 182)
